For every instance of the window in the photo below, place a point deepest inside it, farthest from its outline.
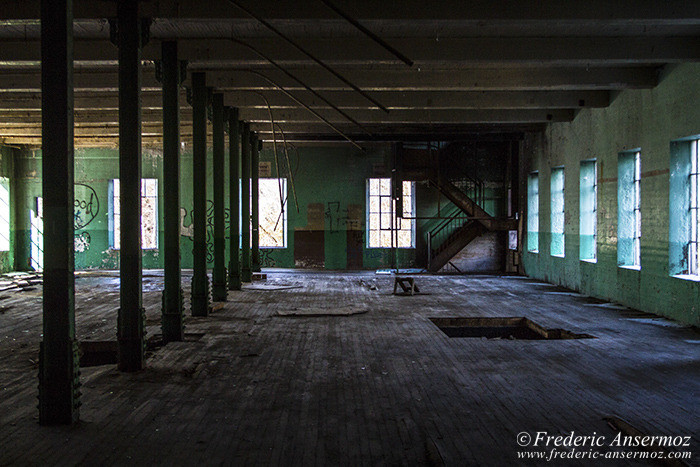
(272, 207)
(588, 200)
(557, 215)
(533, 212)
(149, 213)
(629, 216)
(4, 214)
(382, 221)
(693, 244)
(36, 233)
(684, 222)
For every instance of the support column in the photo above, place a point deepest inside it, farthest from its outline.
(59, 372)
(246, 274)
(130, 327)
(171, 320)
(200, 280)
(255, 194)
(234, 267)
(219, 288)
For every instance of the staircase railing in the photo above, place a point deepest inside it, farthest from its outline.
(442, 232)
(454, 171)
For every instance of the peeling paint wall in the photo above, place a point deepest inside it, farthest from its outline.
(328, 230)
(8, 158)
(646, 119)
(329, 183)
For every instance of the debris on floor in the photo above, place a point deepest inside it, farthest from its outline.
(346, 310)
(371, 285)
(20, 280)
(270, 287)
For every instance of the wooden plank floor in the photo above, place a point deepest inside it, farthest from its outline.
(249, 387)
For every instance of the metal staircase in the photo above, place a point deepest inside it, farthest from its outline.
(468, 220)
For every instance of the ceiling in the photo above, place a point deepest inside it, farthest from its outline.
(486, 67)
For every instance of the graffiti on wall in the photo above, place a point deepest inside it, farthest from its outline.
(266, 259)
(86, 205)
(187, 227)
(82, 242)
(342, 219)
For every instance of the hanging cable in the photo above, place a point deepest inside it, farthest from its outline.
(274, 148)
(316, 114)
(289, 167)
(307, 87)
(302, 50)
(369, 33)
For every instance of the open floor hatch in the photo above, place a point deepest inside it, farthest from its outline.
(502, 328)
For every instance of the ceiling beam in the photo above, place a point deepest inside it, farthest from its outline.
(394, 100)
(153, 139)
(498, 10)
(477, 79)
(300, 116)
(455, 52)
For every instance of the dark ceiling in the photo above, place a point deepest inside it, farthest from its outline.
(479, 66)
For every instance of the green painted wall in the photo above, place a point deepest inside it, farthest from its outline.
(646, 119)
(333, 178)
(330, 185)
(7, 169)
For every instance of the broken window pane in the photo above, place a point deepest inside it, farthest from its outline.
(381, 218)
(149, 213)
(272, 210)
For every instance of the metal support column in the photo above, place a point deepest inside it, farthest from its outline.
(246, 274)
(200, 280)
(171, 320)
(234, 135)
(59, 372)
(255, 195)
(131, 319)
(219, 288)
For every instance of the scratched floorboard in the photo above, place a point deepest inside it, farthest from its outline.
(248, 387)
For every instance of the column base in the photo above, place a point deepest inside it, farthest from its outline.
(200, 295)
(200, 306)
(131, 348)
(218, 292)
(59, 385)
(234, 282)
(172, 325)
(246, 275)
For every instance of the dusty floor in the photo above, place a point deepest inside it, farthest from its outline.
(382, 387)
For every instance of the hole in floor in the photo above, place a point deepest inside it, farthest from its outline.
(502, 328)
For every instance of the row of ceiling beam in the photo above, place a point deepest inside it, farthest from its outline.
(478, 67)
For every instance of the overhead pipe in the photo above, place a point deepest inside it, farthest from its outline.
(369, 33)
(308, 88)
(316, 114)
(302, 50)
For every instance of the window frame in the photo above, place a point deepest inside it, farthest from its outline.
(533, 215)
(391, 214)
(557, 170)
(638, 209)
(629, 204)
(6, 224)
(284, 213)
(694, 210)
(588, 213)
(114, 243)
